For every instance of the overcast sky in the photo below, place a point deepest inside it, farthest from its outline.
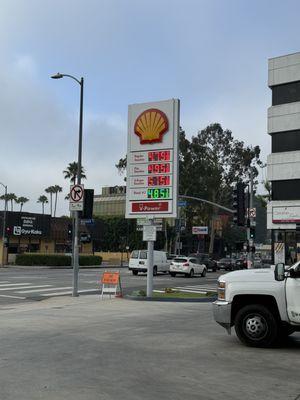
(211, 54)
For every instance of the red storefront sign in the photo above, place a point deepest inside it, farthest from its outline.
(150, 206)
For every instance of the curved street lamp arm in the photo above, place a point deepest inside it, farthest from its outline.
(72, 77)
(208, 202)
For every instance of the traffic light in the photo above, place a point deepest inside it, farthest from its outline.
(252, 232)
(88, 202)
(239, 204)
(70, 230)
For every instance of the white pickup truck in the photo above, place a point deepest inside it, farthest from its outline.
(262, 304)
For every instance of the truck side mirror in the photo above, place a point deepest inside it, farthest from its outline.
(279, 273)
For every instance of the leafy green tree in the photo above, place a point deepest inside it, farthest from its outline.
(21, 200)
(71, 172)
(43, 200)
(266, 197)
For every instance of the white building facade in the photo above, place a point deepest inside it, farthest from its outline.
(283, 214)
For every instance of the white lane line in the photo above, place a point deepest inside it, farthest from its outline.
(12, 297)
(15, 284)
(193, 291)
(64, 293)
(44, 290)
(4, 281)
(196, 287)
(21, 287)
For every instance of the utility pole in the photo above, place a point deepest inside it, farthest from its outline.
(250, 222)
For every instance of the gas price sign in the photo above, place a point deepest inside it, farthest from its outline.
(152, 160)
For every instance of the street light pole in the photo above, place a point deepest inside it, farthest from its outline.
(75, 252)
(4, 226)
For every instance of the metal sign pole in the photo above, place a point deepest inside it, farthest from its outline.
(150, 258)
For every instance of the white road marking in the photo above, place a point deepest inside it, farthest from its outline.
(12, 297)
(4, 282)
(44, 290)
(22, 287)
(193, 291)
(197, 288)
(15, 284)
(64, 293)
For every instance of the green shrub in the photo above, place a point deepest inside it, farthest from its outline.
(55, 260)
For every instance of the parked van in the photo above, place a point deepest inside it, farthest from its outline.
(138, 262)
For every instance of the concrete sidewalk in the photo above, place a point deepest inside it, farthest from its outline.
(85, 349)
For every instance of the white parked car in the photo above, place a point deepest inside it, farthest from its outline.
(188, 266)
(138, 262)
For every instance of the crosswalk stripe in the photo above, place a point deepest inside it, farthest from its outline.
(24, 287)
(4, 281)
(12, 297)
(44, 290)
(15, 284)
(64, 293)
(17, 288)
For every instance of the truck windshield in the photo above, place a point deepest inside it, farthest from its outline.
(143, 255)
(135, 254)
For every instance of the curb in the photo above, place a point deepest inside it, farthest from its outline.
(172, 300)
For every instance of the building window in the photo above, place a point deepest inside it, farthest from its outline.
(287, 93)
(286, 141)
(286, 190)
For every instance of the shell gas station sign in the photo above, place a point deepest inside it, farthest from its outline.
(152, 160)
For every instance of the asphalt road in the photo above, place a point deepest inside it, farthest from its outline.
(33, 283)
(86, 349)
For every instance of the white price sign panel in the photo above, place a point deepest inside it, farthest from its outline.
(152, 160)
(149, 233)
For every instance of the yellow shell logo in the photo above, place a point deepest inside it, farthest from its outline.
(151, 125)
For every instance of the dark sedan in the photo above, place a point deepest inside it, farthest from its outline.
(229, 264)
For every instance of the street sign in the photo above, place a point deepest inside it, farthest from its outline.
(158, 222)
(149, 233)
(76, 198)
(146, 221)
(200, 230)
(251, 212)
(152, 160)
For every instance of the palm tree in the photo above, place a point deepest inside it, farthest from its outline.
(5, 199)
(11, 197)
(71, 172)
(21, 200)
(56, 189)
(50, 190)
(43, 199)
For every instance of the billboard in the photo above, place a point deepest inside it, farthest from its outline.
(152, 160)
(27, 224)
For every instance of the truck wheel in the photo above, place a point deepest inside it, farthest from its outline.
(256, 326)
(135, 272)
(154, 270)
